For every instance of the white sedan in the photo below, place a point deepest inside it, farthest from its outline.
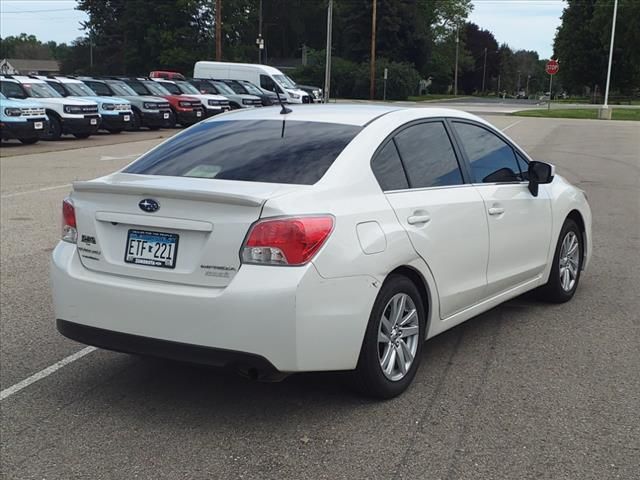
(327, 238)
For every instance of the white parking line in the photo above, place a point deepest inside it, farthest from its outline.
(512, 125)
(17, 194)
(7, 392)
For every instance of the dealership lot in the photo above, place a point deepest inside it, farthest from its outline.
(526, 390)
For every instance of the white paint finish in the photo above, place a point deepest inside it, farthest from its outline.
(519, 234)
(289, 314)
(371, 237)
(454, 242)
(7, 392)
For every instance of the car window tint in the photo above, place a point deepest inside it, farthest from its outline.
(12, 90)
(99, 87)
(293, 152)
(387, 168)
(172, 87)
(206, 87)
(492, 159)
(58, 88)
(138, 88)
(236, 87)
(428, 156)
(524, 166)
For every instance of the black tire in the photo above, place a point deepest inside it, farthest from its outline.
(136, 121)
(29, 141)
(370, 379)
(553, 291)
(115, 131)
(55, 128)
(82, 136)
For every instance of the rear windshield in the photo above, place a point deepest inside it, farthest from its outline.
(271, 151)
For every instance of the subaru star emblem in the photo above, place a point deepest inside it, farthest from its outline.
(149, 205)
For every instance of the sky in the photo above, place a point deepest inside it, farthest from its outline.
(523, 24)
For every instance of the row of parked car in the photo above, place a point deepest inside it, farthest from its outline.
(35, 107)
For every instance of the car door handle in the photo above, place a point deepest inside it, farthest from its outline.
(418, 219)
(496, 211)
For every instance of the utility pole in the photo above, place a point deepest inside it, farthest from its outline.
(327, 66)
(218, 30)
(613, 36)
(372, 90)
(260, 41)
(484, 69)
(528, 78)
(455, 75)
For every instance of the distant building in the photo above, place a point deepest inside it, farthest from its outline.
(24, 66)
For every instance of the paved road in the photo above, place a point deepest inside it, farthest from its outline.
(526, 390)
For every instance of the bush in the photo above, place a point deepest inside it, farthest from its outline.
(351, 80)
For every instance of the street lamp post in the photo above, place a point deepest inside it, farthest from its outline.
(613, 36)
(455, 75)
(372, 89)
(327, 66)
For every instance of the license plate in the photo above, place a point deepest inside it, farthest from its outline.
(155, 249)
(127, 118)
(37, 125)
(198, 113)
(94, 121)
(166, 116)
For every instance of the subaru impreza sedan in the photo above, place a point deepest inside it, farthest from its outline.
(336, 238)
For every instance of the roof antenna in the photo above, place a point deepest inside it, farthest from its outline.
(284, 110)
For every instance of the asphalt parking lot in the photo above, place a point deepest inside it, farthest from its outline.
(527, 390)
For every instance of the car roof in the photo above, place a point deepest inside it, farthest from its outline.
(347, 114)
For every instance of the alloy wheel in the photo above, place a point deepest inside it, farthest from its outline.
(398, 336)
(569, 261)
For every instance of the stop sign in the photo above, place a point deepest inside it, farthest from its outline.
(552, 67)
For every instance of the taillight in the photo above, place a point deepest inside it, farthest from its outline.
(286, 241)
(69, 228)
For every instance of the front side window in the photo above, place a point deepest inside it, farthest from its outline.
(40, 90)
(206, 87)
(57, 87)
(80, 90)
(223, 88)
(284, 151)
(98, 87)
(186, 87)
(387, 167)
(156, 88)
(139, 88)
(428, 156)
(492, 159)
(267, 83)
(172, 88)
(12, 90)
(121, 88)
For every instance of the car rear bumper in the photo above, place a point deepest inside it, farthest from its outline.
(24, 130)
(292, 317)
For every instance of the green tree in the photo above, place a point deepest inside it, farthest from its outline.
(582, 46)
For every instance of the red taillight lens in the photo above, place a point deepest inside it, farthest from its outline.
(69, 229)
(286, 241)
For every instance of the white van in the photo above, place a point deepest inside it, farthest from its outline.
(267, 77)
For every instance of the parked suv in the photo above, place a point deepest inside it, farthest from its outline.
(148, 111)
(74, 116)
(116, 112)
(187, 110)
(23, 120)
(218, 87)
(213, 104)
(243, 87)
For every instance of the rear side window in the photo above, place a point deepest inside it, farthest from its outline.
(206, 87)
(387, 167)
(428, 156)
(492, 159)
(58, 88)
(172, 87)
(278, 151)
(138, 88)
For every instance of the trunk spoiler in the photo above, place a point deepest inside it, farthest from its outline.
(149, 190)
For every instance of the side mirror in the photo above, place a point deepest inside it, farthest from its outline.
(540, 173)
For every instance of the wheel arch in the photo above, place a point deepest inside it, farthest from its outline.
(423, 288)
(576, 216)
